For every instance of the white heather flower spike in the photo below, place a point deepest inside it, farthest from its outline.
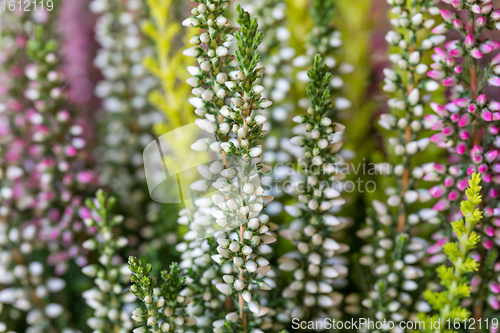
(390, 247)
(112, 291)
(231, 110)
(465, 126)
(315, 226)
(207, 261)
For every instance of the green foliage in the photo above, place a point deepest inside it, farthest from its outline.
(164, 306)
(143, 288)
(38, 47)
(227, 327)
(143, 283)
(318, 88)
(322, 12)
(102, 206)
(447, 303)
(248, 41)
(168, 66)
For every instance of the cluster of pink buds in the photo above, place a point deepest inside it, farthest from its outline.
(43, 160)
(467, 127)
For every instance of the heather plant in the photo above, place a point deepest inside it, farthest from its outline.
(316, 265)
(276, 56)
(76, 26)
(221, 151)
(239, 269)
(242, 211)
(128, 122)
(466, 128)
(447, 303)
(44, 170)
(325, 39)
(110, 297)
(211, 48)
(395, 252)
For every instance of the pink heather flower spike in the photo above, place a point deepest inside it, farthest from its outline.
(77, 48)
(405, 147)
(473, 148)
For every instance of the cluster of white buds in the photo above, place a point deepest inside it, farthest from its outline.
(277, 57)
(33, 294)
(326, 40)
(110, 299)
(207, 304)
(240, 205)
(316, 265)
(397, 264)
(393, 254)
(241, 198)
(127, 122)
(211, 88)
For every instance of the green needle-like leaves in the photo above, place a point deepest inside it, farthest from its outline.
(447, 303)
